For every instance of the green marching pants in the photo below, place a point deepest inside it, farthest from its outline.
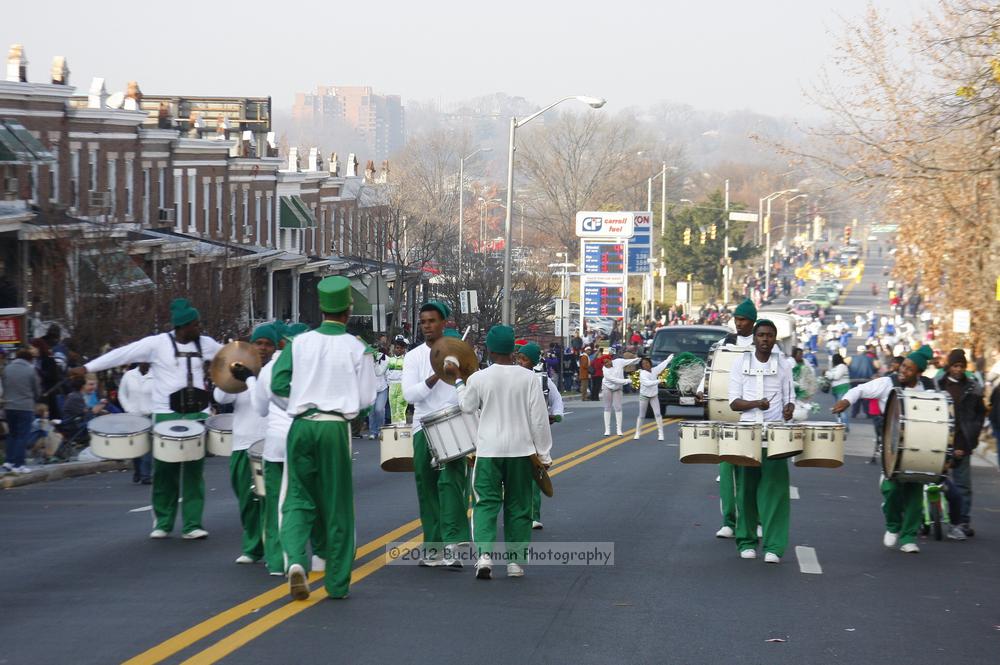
(397, 405)
(727, 494)
(251, 512)
(319, 490)
(274, 556)
(902, 505)
(442, 494)
(762, 497)
(536, 503)
(172, 480)
(506, 482)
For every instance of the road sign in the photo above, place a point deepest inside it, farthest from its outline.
(603, 300)
(742, 217)
(600, 257)
(611, 225)
(682, 292)
(468, 302)
(961, 321)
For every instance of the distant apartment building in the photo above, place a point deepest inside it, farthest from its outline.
(377, 119)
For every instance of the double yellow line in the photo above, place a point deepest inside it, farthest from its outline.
(242, 636)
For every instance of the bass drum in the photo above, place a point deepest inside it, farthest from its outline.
(720, 363)
(919, 428)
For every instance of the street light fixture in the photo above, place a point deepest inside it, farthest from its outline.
(593, 102)
(767, 250)
(461, 204)
(784, 237)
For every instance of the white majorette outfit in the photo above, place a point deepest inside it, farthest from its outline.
(611, 391)
(649, 390)
(762, 494)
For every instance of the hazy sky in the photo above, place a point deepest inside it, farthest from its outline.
(721, 54)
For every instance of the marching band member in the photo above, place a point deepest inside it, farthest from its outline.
(611, 390)
(249, 427)
(649, 393)
(902, 502)
(394, 375)
(135, 394)
(328, 377)
(529, 356)
(761, 390)
(177, 360)
(513, 425)
(442, 494)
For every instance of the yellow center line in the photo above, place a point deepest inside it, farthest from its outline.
(204, 629)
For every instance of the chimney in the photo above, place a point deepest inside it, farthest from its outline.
(334, 165)
(163, 120)
(352, 166)
(97, 98)
(370, 171)
(133, 97)
(313, 160)
(17, 64)
(384, 176)
(222, 128)
(250, 142)
(293, 159)
(60, 71)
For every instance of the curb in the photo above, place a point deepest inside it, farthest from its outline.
(61, 471)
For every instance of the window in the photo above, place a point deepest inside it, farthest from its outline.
(192, 196)
(34, 183)
(232, 213)
(178, 201)
(74, 181)
(112, 186)
(206, 190)
(92, 175)
(129, 177)
(218, 208)
(54, 179)
(256, 213)
(270, 218)
(145, 195)
(162, 184)
(246, 214)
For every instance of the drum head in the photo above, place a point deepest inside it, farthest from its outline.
(891, 433)
(222, 422)
(179, 429)
(119, 424)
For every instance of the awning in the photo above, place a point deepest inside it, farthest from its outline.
(361, 305)
(18, 146)
(112, 273)
(295, 214)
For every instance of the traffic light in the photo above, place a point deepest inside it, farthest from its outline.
(703, 234)
(687, 236)
(711, 232)
(767, 223)
(847, 233)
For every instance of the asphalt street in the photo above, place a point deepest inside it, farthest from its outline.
(80, 582)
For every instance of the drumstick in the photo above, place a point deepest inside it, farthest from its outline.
(466, 333)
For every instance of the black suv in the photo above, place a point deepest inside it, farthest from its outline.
(678, 339)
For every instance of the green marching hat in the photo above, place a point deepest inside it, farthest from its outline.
(265, 331)
(334, 294)
(532, 352)
(500, 339)
(451, 332)
(182, 313)
(439, 305)
(921, 357)
(746, 310)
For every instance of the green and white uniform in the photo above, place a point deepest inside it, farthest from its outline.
(248, 429)
(329, 378)
(394, 375)
(554, 403)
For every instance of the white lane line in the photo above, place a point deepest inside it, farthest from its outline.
(808, 563)
(793, 492)
(141, 510)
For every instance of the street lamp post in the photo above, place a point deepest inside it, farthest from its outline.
(663, 222)
(767, 250)
(593, 102)
(461, 204)
(784, 237)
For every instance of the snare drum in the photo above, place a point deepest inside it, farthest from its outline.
(784, 440)
(119, 436)
(823, 445)
(396, 447)
(919, 428)
(717, 383)
(179, 441)
(699, 443)
(219, 435)
(451, 433)
(740, 443)
(256, 455)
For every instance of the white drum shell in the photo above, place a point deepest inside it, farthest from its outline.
(396, 447)
(823, 445)
(699, 443)
(219, 435)
(926, 432)
(110, 444)
(740, 443)
(451, 434)
(784, 441)
(177, 447)
(717, 382)
(256, 455)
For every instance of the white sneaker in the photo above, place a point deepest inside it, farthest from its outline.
(450, 559)
(535, 524)
(771, 557)
(748, 554)
(196, 534)
(725, 532)
(298, 582)
(317, 565)
(484, 568)
(890, 539)
(659, 435)
(910, 548)
(157, 534)
(243, 558)
(276, 573)
(956, 533)
(21, 470)
(619, 432)
(514, 570)
(637, 434)
(9, 468)
(607, 432)
(428, 562)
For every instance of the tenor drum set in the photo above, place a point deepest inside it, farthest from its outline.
(919, 429)
(816, 444)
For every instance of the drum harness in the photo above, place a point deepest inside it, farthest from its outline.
(188, 399)
(769, 369)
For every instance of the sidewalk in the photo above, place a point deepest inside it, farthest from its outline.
(860, 442)
(41, 474)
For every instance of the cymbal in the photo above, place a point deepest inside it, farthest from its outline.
(459, 351)
(541, 475)
(234, 352)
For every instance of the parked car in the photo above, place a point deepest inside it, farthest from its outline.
(678, 339)
(831, 293)
(834, 283)
(806, 309)
(821, 298)
(793, 302)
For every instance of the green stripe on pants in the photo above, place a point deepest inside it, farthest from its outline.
(902, 505)
(171, 479)
(274, 556)
(442, 494)
(320, 491)
(762, 497)
(727, 494)
(502, 482)
(251, 518)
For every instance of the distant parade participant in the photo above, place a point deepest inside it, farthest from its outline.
(135, 394)
(528, 357)
(513, 426)
(249, 427)
(328, 377)
(761, 390)
(443, 495)
(275, 442)
(177, 360)
(394, 375)
(649, 391)
(611, 390)
(902, 502)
